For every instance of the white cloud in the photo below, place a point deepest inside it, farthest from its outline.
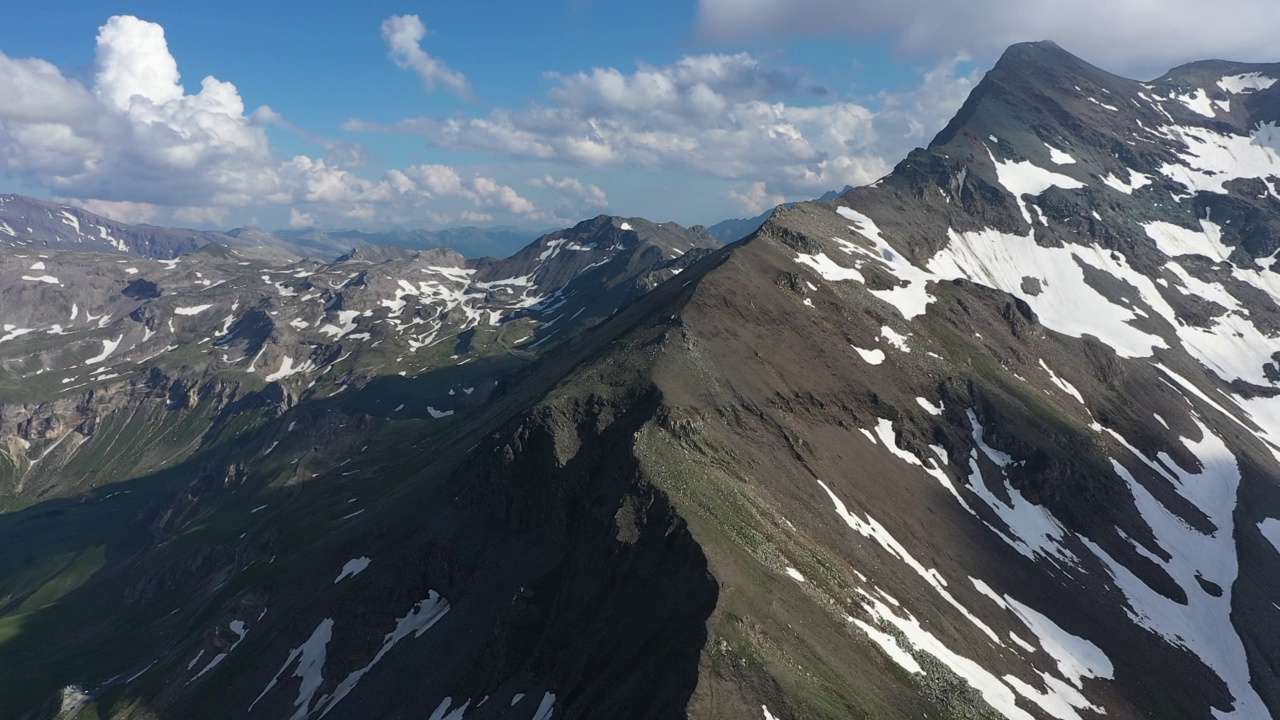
(438, 179)
(403, 35)
(493, 194)
(445, 181)
(134, 65)
(1129, 36)
(720, 116)
(35, 92)
(134, 136)
(136, 146)
(695, 84)
(590, 194)
(298, 219)
(118, 210)
(201, 215)
(574, 198)
(756, 198)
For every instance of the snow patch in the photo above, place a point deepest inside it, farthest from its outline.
(352, 568)
(912, 298)
(1270, 529)
(1063, 385)
(1245, 83)
(1197, 102)
(288, 369)
(893, 338)
(1059, 157)
(1212, 158)
(310, 657)
(1067, 303)
(889, 644)
(546, 707)
(996, 693)
(873, 530)
(1203, 624)
(872, 357)
(1136, 180)
(108, 347)
(1024, 178)
(443, 711)
(1032, 530)
(416, 622)
(929, 407)
(1175, 240)
(829, 269)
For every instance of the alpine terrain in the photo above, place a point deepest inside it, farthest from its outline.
(32, 223)
(997, 436)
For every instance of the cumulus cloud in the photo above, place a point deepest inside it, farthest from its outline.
(135, 145)
(574, 197)
(698, 84)
(403, 35)
(134, 136)
(201, 215)
(445, 181)
(134, 64)
(1135, 36)
(299, 219)
(118, 210)
(721, 116)
(755, 198)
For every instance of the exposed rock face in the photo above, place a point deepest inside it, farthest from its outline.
(998, 436)
(39, 225)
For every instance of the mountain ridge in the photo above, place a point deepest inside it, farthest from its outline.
(995, 436)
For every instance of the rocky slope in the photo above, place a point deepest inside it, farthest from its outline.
(32, 223)
(87, 336)
(998, 436)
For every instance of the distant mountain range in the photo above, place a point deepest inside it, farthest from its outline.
(30, 222)
(727, 231)
(472, 242)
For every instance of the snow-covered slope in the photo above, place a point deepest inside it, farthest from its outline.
(1132, 225)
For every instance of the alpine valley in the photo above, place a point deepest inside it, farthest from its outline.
(997, 436)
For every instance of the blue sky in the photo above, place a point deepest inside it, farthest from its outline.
(530, 114)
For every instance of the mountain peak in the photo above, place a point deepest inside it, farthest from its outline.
(1030, 64)
(1030, 81)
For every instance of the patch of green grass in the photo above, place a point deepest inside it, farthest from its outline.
(73, 575)
(10, 627)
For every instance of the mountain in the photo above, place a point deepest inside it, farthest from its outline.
(27, 222)
(996, 436)
(89, 339)
(734, 229)
(727, 231)
(470, 241)
(30, 223)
